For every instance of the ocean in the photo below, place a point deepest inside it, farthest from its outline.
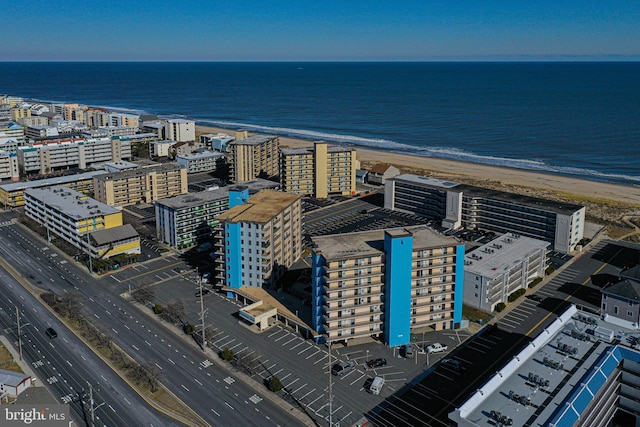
(572, 118)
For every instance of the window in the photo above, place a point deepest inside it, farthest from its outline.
(615, 309)
(604, 306)
(630, 313)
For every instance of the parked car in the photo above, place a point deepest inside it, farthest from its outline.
(454, 364)
(407, 351)
(437, 348)
(376, 363)
(536, 298)
(376, 385)
(342, 368)
(52, 333)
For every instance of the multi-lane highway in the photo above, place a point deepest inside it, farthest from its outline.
(67, 366)
(210, 391)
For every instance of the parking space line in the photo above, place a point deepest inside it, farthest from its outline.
(297, 390)
(227, 343)
(310, 346)
(284, 336)
(316, 399)
(274, 333)
(292, 339)
(278, 371)
(313, 354)
(239, 344)
(509, 326)
(355, 381)
(308, 394)
(292, 383)
(297, 345)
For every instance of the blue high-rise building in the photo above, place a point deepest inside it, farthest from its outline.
(386, 284)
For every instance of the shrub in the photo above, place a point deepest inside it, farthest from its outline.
(534, 282)
(227, 354)
(274, 384)
(157, 309)
(189, 329)
(517, 294)
(500, 306)
(549, 270)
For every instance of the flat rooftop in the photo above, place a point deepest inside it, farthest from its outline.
(260, 208)
(501, 254)
(70, 202)
(426, 181)
(371, 243)
(201, 155)
(125, 174)
(310, 150)
(200, 198)
(46, 182)
(555, 377)
(519, 199)
(254, 140)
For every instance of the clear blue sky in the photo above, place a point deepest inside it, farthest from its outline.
(345, 30)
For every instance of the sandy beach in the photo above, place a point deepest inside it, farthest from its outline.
(521, 181)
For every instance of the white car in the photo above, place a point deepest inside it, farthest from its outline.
(436, 348)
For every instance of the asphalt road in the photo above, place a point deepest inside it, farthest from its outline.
(209, 390)
(67, 366)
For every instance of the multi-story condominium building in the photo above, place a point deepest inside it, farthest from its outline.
(253, 157)
(126, 120)
(458, 205)
(37, 132)
(117, 130)
(91, 226)
(160, 148)
(18, 113)
(497, 269)
(12, 130)
(45, 157)
(216, 141)
(318, 171)
(9, 144)
(25, 122)
(262, 237)
(144, 185)
(10, 100)
(160, 129)
(12, 195)
(201, 161)
(9, 166)
(75, 112)
(97, 117)
(181, 130)
(384, 283)
(190, 219)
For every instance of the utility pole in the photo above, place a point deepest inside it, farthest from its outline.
(330, 391)
(202, 311)
(91, 402)
(89, 253)
(19, 331)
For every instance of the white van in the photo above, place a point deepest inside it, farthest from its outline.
(376, 385)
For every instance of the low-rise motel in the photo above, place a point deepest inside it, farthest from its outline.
(91, 226)
(385, 283)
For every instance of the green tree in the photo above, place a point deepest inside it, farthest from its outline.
(274, 384)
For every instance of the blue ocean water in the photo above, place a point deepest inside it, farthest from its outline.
(580, 119)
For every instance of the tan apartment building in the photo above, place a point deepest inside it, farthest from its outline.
(144, 185)
(253, 157)
(386, 283)
(18, 113)
(318, 171)
(262, 237)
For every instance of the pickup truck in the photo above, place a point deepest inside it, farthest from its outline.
(436, 348)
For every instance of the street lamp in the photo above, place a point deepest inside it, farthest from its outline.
(367, 356)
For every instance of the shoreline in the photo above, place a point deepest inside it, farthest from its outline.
(516, 180)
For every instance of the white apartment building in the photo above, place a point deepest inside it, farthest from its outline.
(181, 130)
(9, 166)
(202, 161)
(44, 158)
(497, 269)
(160, 148)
